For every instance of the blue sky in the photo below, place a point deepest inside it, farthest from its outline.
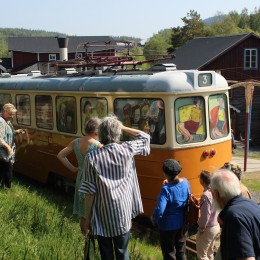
(137, 18)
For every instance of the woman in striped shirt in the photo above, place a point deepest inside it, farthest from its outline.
(112, 189)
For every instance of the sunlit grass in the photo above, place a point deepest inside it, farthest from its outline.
(251, 181)
(36, 223)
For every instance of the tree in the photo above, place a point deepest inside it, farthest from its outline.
(227, 27)
(254, 21)
(244, 19)
(158, 44)
(193, 27)
(3, 49)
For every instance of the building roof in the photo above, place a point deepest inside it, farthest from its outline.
(6, 63)
(198, 52)
(2, 68)
(50, 44)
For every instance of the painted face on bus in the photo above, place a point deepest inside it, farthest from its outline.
(198, 103)
(136, 116)
(88, 109)
(45, 111)
(145, 110)
(63, 111)
(221, 103)
(100, 109)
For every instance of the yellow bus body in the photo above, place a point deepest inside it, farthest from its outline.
(36, 154)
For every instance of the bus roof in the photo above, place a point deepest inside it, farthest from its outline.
(167, 81)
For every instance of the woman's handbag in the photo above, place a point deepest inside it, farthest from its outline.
(89, 247)
(192, 212)
(193, 209)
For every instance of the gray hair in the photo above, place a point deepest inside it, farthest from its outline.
(109, 130)
(8, 107)
(226, 183)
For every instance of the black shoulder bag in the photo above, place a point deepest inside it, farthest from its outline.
(90, 240)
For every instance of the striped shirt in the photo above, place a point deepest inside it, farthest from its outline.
(110, 174)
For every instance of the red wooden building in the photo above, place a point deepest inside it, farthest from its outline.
(237, 58)
(32, 53)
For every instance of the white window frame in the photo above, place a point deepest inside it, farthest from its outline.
(52, 57)
(251, 59)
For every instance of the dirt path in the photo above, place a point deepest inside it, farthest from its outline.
(251, 175)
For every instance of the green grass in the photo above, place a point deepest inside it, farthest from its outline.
(252, 182)
(36, 223)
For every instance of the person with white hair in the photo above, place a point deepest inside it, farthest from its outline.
(240, 218)
(236, 169)
(111, 186)
(7, 144)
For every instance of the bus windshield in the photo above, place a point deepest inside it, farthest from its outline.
(190, 119)
(218, 116)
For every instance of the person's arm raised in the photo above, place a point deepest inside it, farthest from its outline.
(131, 131)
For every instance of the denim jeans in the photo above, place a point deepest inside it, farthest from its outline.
(118, 244)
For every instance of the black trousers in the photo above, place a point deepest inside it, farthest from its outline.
(118, 244)
(6, 173)
(173, 244)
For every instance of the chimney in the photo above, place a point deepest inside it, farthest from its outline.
(63, 47)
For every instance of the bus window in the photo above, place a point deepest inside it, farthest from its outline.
(23, 106)
(4, 98)
(190, 119)
(92, 107)
(144, 114)
(66, 114)
(218, 116)
(44, 111)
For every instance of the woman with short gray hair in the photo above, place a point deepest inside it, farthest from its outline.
(7, 145)
(111, 187)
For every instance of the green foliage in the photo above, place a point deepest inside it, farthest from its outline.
(193, 27)
(227, 27)
(20, 32)
(127, 38)
(158, 44)
(233, 23)
(3, 48)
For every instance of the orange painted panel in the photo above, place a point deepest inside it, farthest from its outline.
(150, 174)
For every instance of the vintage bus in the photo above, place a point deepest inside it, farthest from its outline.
(186, 113)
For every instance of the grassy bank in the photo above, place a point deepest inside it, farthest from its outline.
(36, 223)
(252, 181)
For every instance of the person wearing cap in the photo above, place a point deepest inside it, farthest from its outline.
(7, 144)
(169, 214)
